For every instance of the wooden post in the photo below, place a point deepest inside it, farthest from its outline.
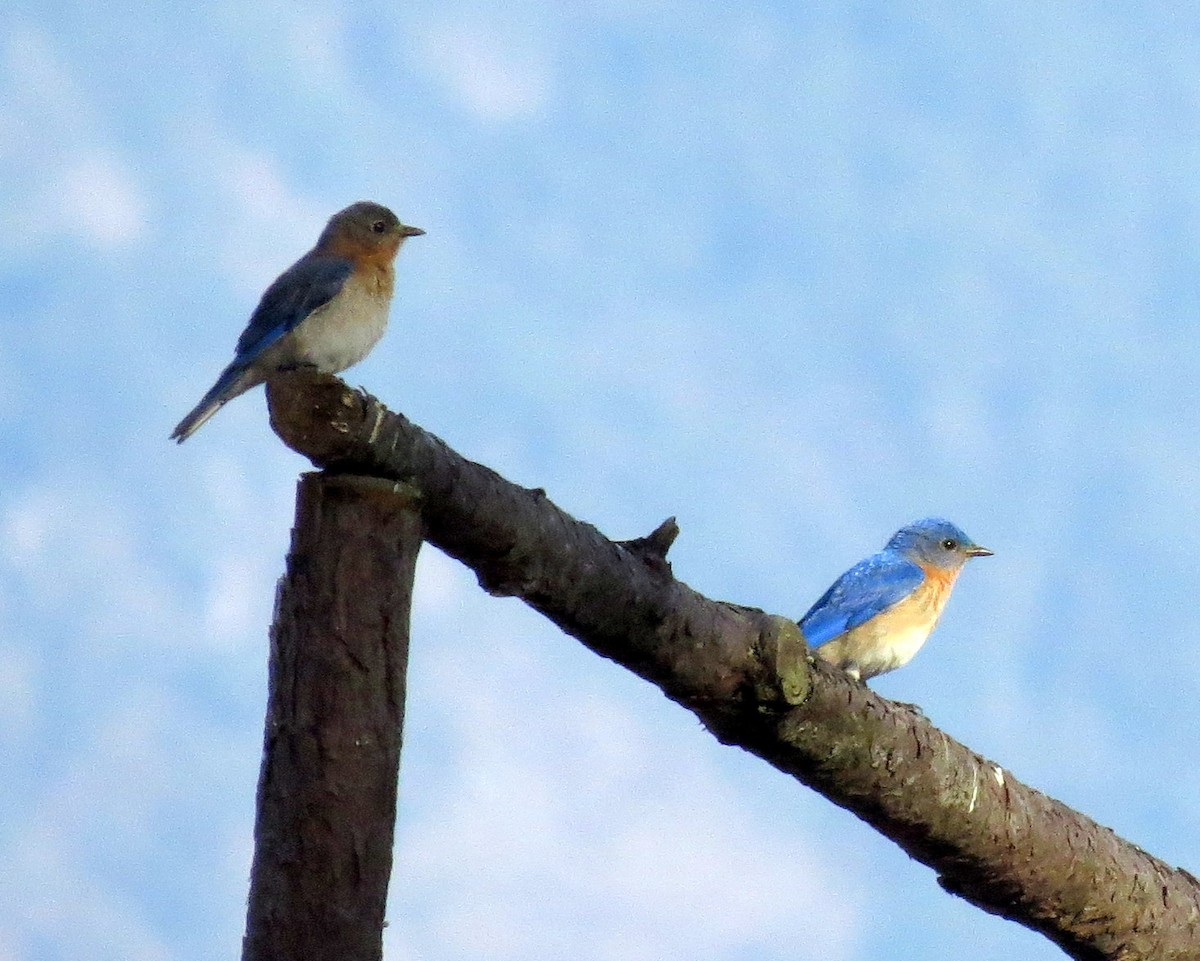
(335, 710)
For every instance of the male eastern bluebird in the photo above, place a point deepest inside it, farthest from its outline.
(325, 311)
(877, 615)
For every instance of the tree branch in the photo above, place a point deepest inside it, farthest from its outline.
(747, 675)
(327, 792)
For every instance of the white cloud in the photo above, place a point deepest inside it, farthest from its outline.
(62, 168)
(99, 198)
(234, 604)
(62, 904)
(266, 223)
(26, 527)
(105, 821)
(19, 689)
(316, 39)
(80, 554)
(441, 583)
(499, 76)
(37, 72)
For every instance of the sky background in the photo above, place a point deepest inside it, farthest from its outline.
(796, 274)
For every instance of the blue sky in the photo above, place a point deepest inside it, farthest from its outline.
(794, 276)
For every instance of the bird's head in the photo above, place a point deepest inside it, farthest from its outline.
(365, 227)
(935, 542)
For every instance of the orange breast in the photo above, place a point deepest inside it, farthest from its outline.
(932, 594)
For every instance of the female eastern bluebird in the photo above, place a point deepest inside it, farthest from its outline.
(877, 615)
(325, 311)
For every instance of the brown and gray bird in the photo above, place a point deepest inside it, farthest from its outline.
(325, 311)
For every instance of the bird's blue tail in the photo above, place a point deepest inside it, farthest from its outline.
(234, 380)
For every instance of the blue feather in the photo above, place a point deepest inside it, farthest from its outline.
(869, 588)
(308, 285)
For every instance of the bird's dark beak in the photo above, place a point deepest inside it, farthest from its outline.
(976, 551)
(407, 231)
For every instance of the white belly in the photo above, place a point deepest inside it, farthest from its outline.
(341, 333)
(891, 639)
(900, 647)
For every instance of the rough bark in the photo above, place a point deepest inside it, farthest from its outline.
(747, 675)
(327, 791)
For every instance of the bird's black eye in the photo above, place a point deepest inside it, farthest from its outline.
(950, 544)
(379, 226)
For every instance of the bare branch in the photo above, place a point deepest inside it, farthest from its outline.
(327, 793)
(747, 675)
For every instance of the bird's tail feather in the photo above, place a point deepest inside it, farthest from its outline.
(234, 380)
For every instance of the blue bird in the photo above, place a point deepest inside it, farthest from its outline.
(325, 311)
(877, 615)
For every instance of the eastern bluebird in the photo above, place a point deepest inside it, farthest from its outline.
(325, 311)
(877, 615)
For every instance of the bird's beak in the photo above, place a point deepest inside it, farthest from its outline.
(977, 551)
(407, 231)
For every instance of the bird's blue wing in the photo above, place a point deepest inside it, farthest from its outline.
(309, 284)
(870, 587)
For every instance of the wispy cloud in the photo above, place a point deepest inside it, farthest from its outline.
(75, 183)
(498, 74)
